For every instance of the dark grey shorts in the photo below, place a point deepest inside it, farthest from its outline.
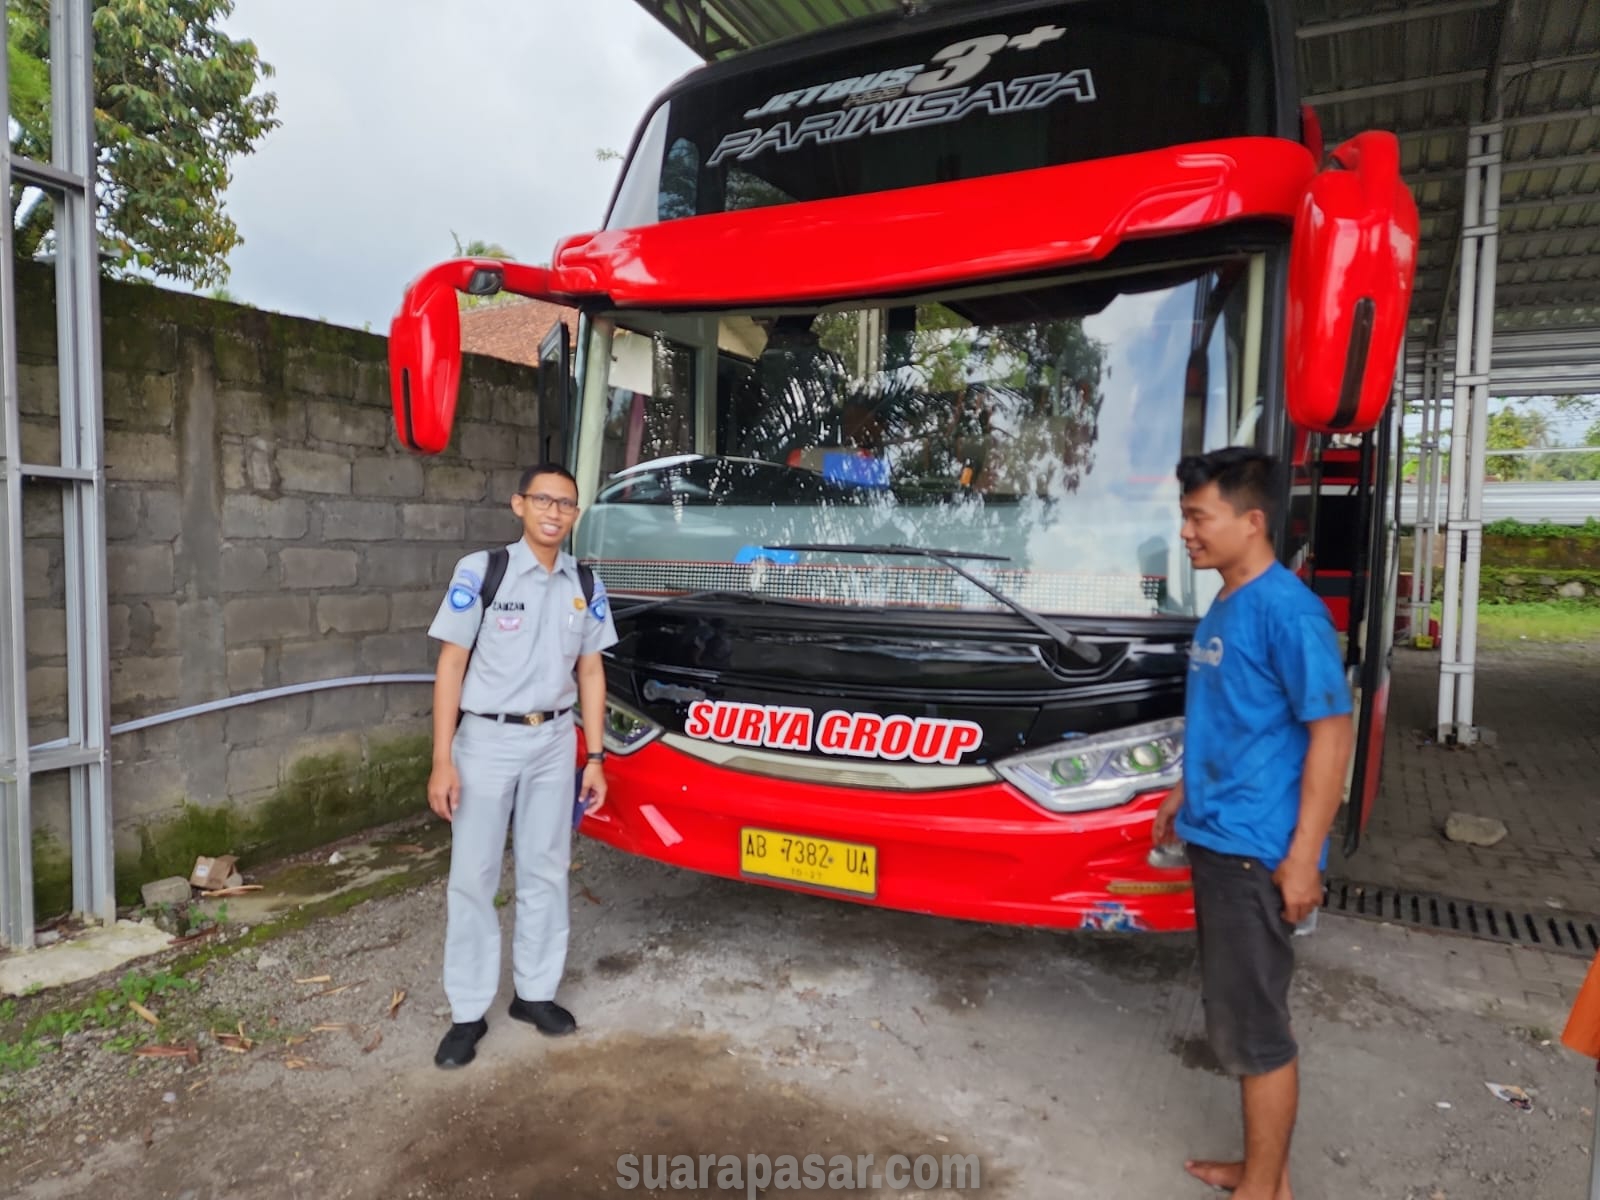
(1246, 962)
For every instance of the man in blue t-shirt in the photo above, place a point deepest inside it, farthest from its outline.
(1267, 741)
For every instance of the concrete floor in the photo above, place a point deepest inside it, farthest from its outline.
(721, 1018)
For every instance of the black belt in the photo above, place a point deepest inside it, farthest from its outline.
(538, 718)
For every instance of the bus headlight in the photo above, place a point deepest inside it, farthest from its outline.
(1101, 771)
(625, 731)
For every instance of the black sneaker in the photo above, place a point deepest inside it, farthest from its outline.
(460, 1045)
(546, 1016)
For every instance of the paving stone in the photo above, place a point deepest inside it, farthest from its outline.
(1537, 780)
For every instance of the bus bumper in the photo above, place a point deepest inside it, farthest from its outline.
(981, 853)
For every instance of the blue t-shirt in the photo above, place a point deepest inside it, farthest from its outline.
(1264, 663)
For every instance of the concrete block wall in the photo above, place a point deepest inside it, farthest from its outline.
(264, 529)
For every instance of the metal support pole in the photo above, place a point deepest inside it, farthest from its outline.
(1468, 439)
(1414, 616)
(1482, 357)
(1427, 507)
(1466, 302)
(1435, 466)
(82, 449)
(69, 180)
(16, 824)
(1417, 626)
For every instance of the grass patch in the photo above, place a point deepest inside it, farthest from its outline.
(1546, 622)
(1542, 530)
(109, 1009)
(25, 1041)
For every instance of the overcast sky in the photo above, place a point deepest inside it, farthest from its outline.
(405, 119)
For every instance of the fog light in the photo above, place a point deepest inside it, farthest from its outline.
(1169, 856)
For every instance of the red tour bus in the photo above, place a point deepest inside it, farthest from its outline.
(889, 346)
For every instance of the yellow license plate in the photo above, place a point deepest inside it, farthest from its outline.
(816, 862)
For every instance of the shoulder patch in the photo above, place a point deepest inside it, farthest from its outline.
(599, 607)
(464, 588)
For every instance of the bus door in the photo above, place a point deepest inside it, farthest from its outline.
(555, 395)
(1342, 523)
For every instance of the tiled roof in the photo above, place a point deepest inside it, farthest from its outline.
(514, 329)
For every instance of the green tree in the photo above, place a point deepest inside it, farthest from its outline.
(1578, 406)
(1514, 429)
(175, 104)
(30, 89)
(1585, 466)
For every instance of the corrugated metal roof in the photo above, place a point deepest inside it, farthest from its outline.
(1428, 71)
(1425, 69)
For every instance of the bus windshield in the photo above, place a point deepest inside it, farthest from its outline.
(1009, 89)
(1041, 423)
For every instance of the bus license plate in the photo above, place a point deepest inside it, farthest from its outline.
(817, 862)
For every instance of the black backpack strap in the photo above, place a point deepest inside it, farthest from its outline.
(586, 579)
(499, 558)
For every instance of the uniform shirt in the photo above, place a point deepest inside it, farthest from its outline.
(1264, 663)
(529, 641)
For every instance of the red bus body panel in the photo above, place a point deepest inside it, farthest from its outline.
(979, 853)
(883, 243)
(1352, 265)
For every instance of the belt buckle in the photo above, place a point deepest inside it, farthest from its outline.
(534, 718)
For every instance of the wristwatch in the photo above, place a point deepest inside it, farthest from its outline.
(597, 756)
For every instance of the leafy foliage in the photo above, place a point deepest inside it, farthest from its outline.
(107, 1009)
(30, 90)
(175, 103)
(952, 398)
(1528, 428)
(1543, 530)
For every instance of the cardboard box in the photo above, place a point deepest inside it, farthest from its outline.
(212, 873)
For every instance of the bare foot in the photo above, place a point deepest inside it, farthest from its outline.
(1227, 1176)
(1224, 1176)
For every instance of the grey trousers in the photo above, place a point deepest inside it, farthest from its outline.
(522, 776)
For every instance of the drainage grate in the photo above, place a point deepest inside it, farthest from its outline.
(1577, 934)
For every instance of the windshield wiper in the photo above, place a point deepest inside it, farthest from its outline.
(629, 610)
(1064, 637)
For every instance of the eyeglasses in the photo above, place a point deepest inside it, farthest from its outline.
(543, 503)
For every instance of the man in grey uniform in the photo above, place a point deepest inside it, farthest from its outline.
(504, 752)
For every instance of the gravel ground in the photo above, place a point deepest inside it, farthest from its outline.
(725, 1019)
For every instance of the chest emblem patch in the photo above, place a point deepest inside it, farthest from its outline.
(577, 603)
(1209, 655)
(509, 624)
